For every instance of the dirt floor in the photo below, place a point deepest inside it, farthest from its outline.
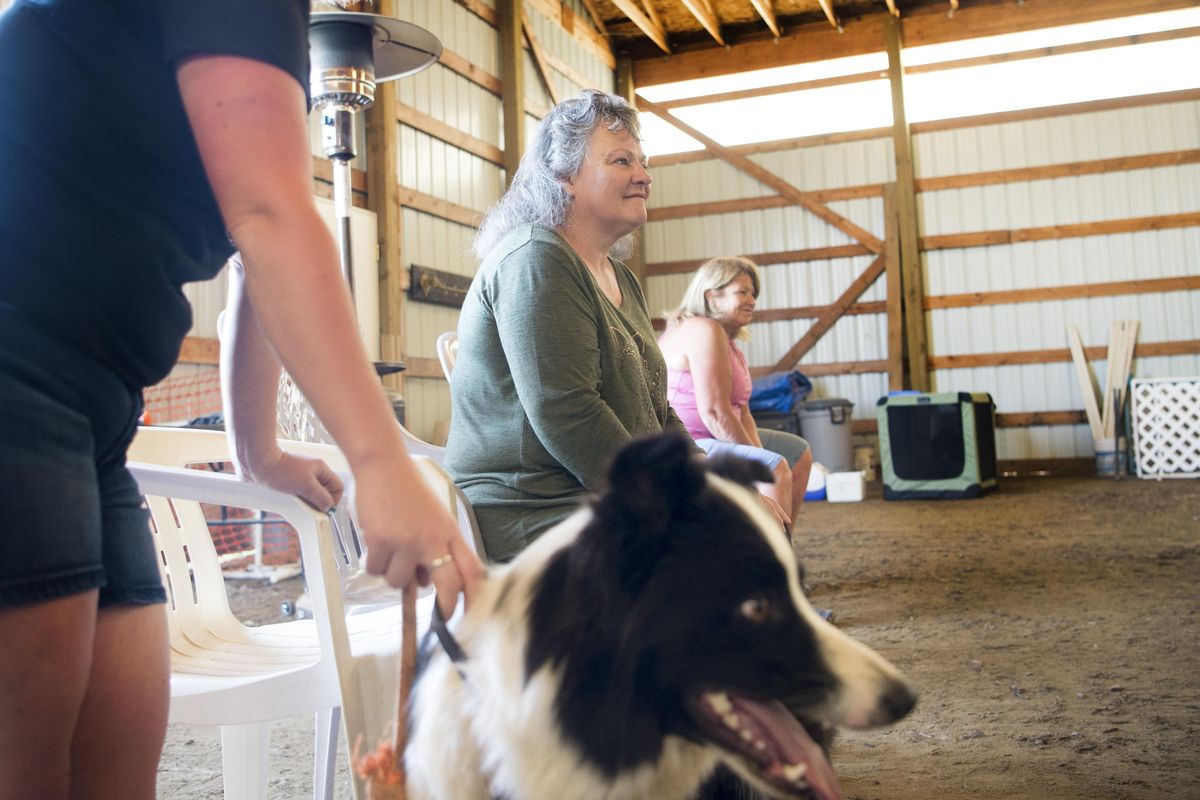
(1053, 629)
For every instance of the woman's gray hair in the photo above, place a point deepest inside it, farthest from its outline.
(716, 273)
(537, 195)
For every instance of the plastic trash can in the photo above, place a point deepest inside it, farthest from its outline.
(826, 425)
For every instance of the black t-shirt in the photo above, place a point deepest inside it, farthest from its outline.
(105, 209)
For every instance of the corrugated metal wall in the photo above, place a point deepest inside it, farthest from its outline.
(1164, 317)
(433, 167)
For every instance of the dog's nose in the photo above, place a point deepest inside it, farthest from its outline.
(896, 702)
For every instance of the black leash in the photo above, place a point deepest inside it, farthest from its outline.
(449, 643)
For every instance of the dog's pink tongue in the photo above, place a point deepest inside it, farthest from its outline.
(795, 747)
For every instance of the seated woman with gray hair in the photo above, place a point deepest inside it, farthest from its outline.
(708, 380)
(557, 364)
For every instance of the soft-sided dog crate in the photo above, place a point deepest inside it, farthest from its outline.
(937, 446)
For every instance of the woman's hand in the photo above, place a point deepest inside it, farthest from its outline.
(410, 534)
(310, 479)
(778, 511)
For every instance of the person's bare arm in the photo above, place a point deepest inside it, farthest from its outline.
(249, 388)
(250, 125)
(707, 349)
(751, 426)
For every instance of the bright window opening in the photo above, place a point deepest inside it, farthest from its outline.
(1025, 83)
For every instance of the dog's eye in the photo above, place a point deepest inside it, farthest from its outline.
(756, 608)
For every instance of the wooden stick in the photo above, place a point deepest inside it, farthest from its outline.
(1086, 386)
(384, 768)
(1126, 365)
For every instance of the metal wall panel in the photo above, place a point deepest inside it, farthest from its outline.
(983, 329)
(459, 30)
(1060, 262)
(827, 167)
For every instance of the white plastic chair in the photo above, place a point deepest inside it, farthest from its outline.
(447, 350)
(336, 666)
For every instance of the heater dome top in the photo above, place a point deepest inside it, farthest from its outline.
(400, 48)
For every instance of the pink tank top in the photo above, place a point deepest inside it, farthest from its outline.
(681, 393)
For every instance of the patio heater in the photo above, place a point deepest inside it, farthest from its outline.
(351, 53)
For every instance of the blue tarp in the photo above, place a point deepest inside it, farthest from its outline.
(779, 391)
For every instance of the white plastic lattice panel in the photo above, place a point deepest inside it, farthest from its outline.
(1166, 427)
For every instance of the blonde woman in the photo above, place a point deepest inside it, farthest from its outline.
(708, 379)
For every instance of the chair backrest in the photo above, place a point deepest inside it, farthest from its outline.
(178, 447)
(447, 350)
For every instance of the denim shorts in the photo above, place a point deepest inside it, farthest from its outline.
(747, 451)
(71, 515)
(777, 446)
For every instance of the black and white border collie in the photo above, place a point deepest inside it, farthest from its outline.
(652, 637)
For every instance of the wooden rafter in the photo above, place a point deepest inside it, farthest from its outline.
(827, 7)
(923, 25)
(655, 32)
(763, 7)
(768, 178)
(703, 11)
(595, 15)
(652, 13)
(831, 315)
(539, 58)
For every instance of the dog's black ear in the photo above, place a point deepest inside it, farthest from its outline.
(651, 476)
(740, 470)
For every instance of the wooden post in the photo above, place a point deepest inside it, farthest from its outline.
(895, 296)
(906, 210)
(383, 197)
(512, 79)
(625, 88)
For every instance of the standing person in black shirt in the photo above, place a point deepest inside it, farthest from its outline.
(143, 142)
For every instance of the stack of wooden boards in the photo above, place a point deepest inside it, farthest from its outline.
(1104, 412)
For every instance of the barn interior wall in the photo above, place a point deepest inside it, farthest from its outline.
(447, 173)
(1148, 254)
(1165, 317)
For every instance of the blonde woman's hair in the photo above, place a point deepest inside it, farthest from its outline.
(716, 273)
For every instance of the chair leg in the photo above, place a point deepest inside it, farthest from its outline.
(245, 760)
(329, 723)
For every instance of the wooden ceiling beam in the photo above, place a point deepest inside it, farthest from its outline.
(656, 32)
(923, 25)
(827, 7)
(652, 13)
(763, 7)
(706, 16)
(595, 15)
